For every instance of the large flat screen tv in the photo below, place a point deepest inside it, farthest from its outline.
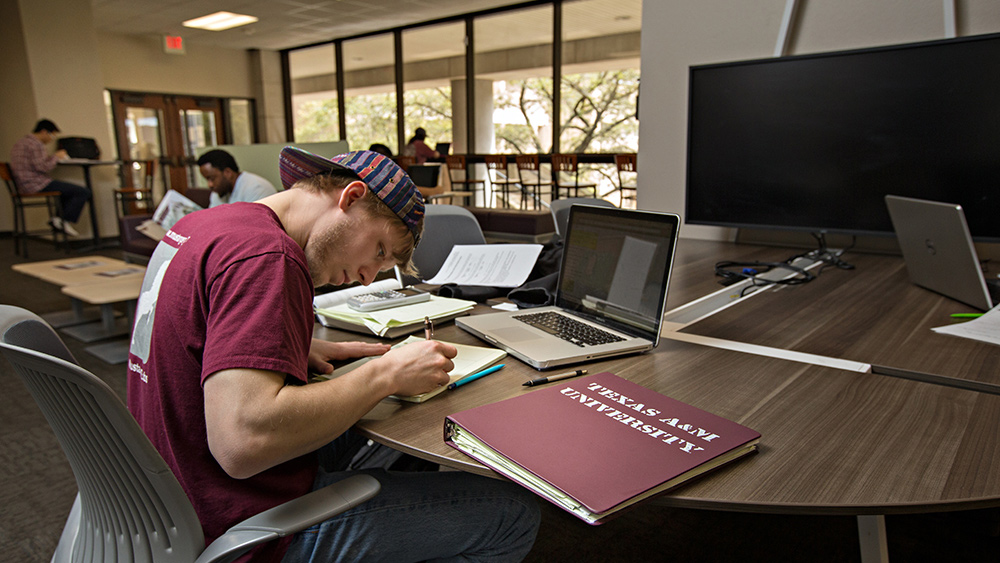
(814, 142)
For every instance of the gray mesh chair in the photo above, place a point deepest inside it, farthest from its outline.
(444, 227)
(130, 506)
(560, 210)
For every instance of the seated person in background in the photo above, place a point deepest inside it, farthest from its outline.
(31, 163)
(227, 183)
(417, 148)
(381, 149)
(220, 358)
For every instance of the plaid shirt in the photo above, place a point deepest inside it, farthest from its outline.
(31, 163)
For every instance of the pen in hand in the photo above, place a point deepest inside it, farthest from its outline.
(551, 378)
(475, 376)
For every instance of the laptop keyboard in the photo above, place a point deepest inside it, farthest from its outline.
(568, 329)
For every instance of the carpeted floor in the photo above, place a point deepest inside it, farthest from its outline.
(37, 489)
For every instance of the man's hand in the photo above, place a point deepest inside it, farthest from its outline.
(322, 352)
(415, 368)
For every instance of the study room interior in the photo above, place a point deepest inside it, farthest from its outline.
(774, 131)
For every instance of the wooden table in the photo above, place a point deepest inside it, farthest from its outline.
(118, 290)
(870, 314)
(833, 441)
(92, 280)
(73, 271)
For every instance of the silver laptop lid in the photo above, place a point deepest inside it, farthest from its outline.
(616, 267)
(937, 247)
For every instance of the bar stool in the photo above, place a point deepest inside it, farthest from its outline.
(530, 163)
(626, 163)
(567, 164)
(498, 164)
(133, 201)
(49, 200)
(457, 163)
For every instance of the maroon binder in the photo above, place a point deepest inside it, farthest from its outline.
(603, 441)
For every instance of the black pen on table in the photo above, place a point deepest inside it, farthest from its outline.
(428, 328)
(551, 378)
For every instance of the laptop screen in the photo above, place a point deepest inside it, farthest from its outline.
(616, 267)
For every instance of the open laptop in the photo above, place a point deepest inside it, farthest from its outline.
(610, 296)
(938, 250)
(442, 148)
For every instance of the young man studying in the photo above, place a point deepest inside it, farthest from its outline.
(222, 349)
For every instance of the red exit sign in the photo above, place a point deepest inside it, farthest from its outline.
(173, 44)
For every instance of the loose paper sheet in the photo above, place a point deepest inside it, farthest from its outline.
(491, 265)
(985, 329)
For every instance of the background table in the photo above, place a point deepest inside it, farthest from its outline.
(73, 271)
(86, 165)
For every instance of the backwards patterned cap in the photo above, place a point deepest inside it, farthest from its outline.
(382, 176)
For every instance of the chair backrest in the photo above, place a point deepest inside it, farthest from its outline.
(405, 162)
(444, 227)
(625, 163)
(527, 162)
(201, 196)
(455, 162)
(8, 179)
(560, 210)
(496, 162)
(130, 506)
(564, 162)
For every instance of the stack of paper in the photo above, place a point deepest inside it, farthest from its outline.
(395, 321)
(469, 360)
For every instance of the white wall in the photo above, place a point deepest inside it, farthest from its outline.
(138, 63)
(676, 35)
(57, 76)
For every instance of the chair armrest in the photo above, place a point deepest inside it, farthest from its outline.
(291, 517)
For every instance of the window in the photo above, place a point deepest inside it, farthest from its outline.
(514, 52)
(240, 113)
(370, 91)
(314, 94)
(514, 96)
(600, 76)
(434, 83)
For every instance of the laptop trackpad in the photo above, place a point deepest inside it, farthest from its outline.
(514, 334)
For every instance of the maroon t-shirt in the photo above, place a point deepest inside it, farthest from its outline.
(225, 288)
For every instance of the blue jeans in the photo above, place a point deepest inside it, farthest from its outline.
(71, 198)
(424, 516)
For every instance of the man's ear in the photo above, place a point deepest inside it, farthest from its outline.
(351, 194)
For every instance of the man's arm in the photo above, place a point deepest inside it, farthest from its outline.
(254, 421)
